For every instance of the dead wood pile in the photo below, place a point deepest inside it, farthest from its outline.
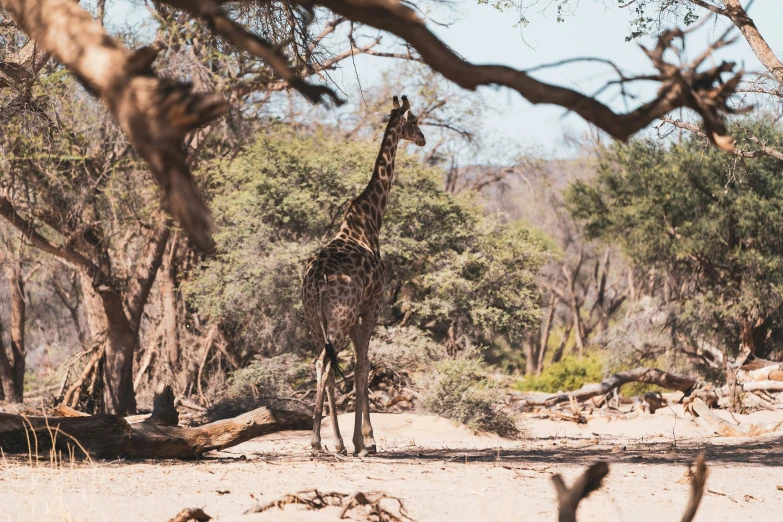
(158, 436)
(752, 385)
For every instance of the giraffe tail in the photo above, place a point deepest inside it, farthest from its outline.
(331, 353)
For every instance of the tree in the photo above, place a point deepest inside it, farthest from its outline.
(458, 276)
(708, 222)
(158, 113)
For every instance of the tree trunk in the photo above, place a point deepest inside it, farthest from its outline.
(14, 368)
(749, 338)
(558, 355)
(114, 321)
(168, 293)
(546, 330)
(578, 331)
(7, 389)
(531, 356)
(109, 327)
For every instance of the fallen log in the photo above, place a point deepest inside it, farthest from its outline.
(112, 436)
(770, 372)
(98, 435)
(722, 427)
(763, 385)
(646, 375)
(149, 439)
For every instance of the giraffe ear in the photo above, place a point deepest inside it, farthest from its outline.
(407, 115)
(396, 102)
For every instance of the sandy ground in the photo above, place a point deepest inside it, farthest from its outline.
(442, 471)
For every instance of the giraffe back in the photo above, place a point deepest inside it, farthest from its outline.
(342, 282)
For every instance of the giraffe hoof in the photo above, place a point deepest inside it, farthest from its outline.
(316, 447)
(340, 450)
(369, 450)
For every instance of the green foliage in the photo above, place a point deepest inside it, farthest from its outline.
(282, 198)
(270, 376)
(403, 351)
(569, 374)
(459, 390)
(711, 222)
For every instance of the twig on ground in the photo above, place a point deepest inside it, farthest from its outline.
(372, 509)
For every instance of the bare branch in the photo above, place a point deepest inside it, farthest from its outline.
(211, 12)
(30, 233)
(679, 88)
(568, 499)
(763, 150)
(762, 90)
(647, 375)
(698, 482)
(715, 9)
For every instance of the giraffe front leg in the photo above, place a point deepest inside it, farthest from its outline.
(339, 446)
(369, 439)
(315, 441)
(358, 438)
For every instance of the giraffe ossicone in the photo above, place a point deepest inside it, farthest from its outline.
(343, 286)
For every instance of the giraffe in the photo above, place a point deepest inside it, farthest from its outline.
(343, 286)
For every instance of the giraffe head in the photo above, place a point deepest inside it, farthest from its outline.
(410, 124)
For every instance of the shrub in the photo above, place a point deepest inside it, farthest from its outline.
(404, 350)
(270, 376)
(459, 390)
(567, 375)
(263, 382)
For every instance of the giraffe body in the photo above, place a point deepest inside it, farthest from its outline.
(343, 287)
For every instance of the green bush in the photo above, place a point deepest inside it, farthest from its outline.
(567, 375)
(449, 267)
(270, 376)
(459, 390)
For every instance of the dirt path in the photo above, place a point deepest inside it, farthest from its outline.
(442, 471)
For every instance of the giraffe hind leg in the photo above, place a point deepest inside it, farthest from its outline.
(315, 441)
(339, 446)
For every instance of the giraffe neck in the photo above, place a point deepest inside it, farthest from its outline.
(364, 216)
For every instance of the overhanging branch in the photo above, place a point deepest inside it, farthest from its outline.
(700, 91)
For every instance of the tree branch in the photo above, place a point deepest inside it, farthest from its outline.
(140, 285)
(568, 499)
(155, 113)
(211, 12)
(641, 374)
(763, 150)
(679, 88)
(30, 233)
(737, 14)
